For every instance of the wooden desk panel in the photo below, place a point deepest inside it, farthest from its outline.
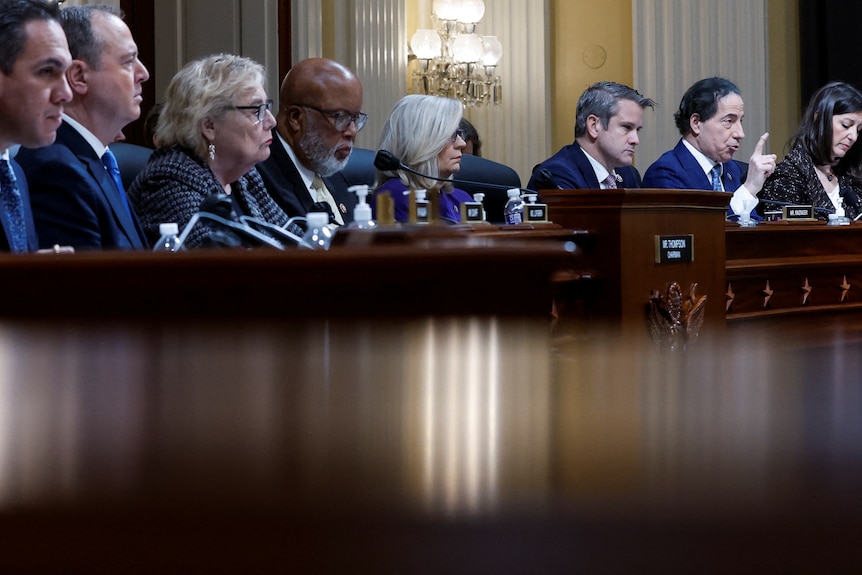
(779, 268)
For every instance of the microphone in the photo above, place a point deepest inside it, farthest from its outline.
(282, 235)
(817, 210)
(850, 197)
(385, 161)
(544, 180)
(218, 208)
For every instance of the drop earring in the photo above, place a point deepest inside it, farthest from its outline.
(211, 149)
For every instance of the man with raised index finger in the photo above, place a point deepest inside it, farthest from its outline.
(709, 119)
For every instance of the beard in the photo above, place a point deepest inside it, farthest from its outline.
(321, 156)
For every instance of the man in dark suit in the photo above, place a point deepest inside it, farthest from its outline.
(78, 198)
(33, 89)
(710, 121)
(318, 118)
(608, 119)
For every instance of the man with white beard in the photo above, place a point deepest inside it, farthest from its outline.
(318, 118)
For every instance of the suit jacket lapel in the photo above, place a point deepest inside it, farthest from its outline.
(585, 168)
(82, 149)
(291, 174)
(695, 175)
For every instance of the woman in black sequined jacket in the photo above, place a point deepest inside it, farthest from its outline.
(824, 166)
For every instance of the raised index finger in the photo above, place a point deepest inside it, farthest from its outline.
(758, 149)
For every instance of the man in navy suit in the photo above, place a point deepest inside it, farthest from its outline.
(710, 121)
(318, 118)
(76, 199)
(34, 57)
(608, 119)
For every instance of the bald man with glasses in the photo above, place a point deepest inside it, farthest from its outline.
(318, 118)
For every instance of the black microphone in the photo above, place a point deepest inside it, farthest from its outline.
(850, 197)
(292, 233)
(544, 180)
(218, 208)
(816, 209)
(385, 161)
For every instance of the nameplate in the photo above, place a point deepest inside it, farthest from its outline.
(472, 212)
(536, 213)
(799, 214)
(422, 213)
(674, 249)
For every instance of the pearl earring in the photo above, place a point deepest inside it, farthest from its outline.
(211, 149)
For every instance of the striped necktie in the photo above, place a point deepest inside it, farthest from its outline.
(715, 177)
(10, 197)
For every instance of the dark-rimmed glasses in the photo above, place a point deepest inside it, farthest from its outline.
(260, 110)
(340, 120)
(458, 134)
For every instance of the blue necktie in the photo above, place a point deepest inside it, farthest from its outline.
(110, 162)
(10, 198)
(715, 176)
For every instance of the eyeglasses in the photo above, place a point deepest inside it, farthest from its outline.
(340, 120)
(456, 135)
(260, 110)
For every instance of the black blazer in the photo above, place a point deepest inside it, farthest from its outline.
(285, 185)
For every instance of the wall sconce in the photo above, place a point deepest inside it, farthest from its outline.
(455, 62)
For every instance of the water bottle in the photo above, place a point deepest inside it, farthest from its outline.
(318, 236)
(170, 240)
(513, 213)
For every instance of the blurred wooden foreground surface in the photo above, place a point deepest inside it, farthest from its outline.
(212, 413)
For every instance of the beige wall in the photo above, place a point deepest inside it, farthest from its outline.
(785, 106)
(591, 41)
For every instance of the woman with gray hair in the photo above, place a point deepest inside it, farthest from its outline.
(214, 127)
(423, 132)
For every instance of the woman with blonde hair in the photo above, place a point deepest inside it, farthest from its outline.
(214, 127)
(424, 133)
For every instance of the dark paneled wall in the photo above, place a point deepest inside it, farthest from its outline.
(829, 43)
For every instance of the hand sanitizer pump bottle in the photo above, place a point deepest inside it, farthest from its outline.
(362, 212)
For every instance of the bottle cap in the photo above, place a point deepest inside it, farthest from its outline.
(316, 219)
(420, 194)
(170, 229)
(479, 197)
(513, 192)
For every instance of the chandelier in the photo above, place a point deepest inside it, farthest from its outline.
(455, 62)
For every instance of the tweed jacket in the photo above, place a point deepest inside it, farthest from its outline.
(175, 182)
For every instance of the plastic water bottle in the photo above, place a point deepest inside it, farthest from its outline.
(318, 236)
(170, 240)
(513, 213)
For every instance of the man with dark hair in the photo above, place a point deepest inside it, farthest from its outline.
(77, 193)
(318, 119)
(608, 119)
(709, 119)
(34, 57)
